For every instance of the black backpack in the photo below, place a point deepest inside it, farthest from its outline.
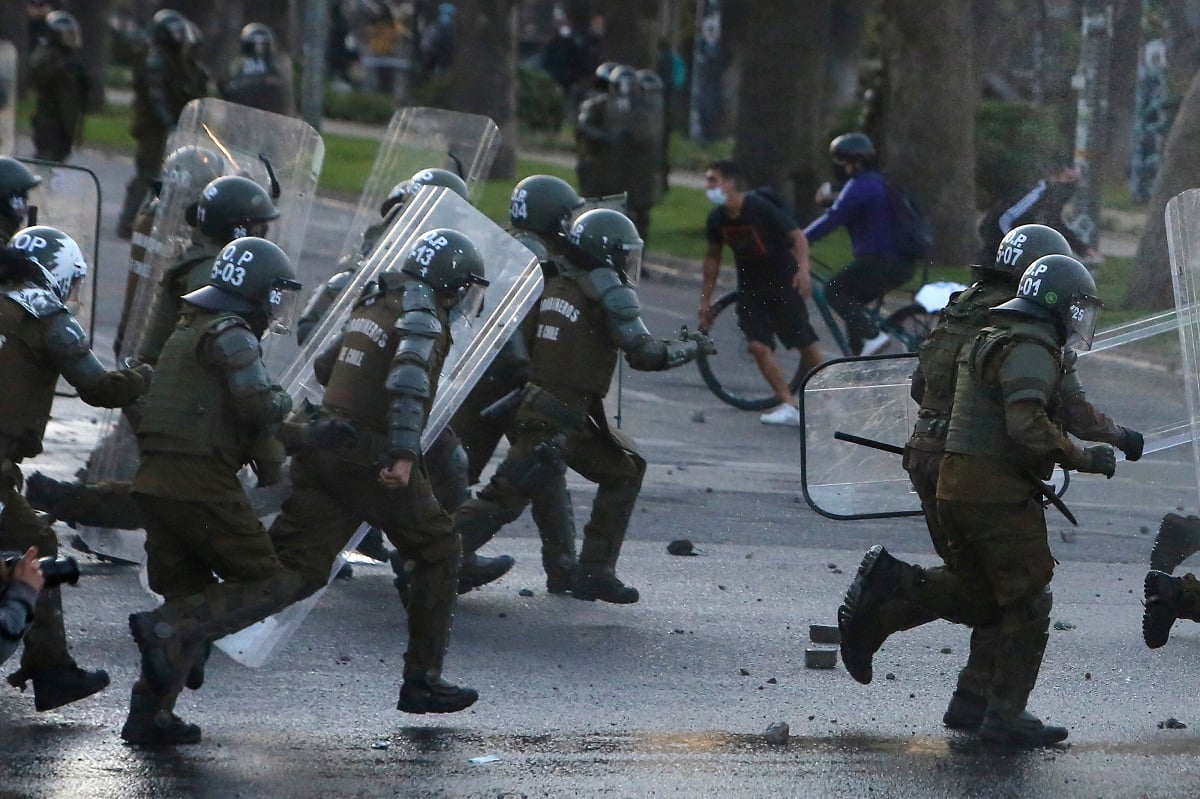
(914, 234)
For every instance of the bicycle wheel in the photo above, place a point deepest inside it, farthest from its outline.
(732, 373)
(910, 325)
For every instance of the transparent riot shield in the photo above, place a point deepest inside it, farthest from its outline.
(515, 283)
(423, 138)
(1183, 240)
(284, 156)
(68, 198)
(650, 125)
(8, 97)
(1132, 374)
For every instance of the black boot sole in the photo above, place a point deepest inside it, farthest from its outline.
(853, 659)
(1157, 616)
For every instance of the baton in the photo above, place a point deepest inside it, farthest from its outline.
(1046, 491)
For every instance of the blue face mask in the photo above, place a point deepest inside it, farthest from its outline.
(716, 195)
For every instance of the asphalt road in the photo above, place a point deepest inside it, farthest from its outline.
(668, 697)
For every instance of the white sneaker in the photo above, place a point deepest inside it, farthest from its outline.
(787, 415)
(874, 346)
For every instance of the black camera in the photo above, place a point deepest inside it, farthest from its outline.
(55, 571)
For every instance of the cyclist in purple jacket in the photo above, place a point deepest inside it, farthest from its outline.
(863, 208)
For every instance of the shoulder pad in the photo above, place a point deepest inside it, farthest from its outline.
(533, 242)
(596, 282)
(40, 302)
(64, 337)
(231, 342)
(419, 323)
(419, 296)
(621, 303)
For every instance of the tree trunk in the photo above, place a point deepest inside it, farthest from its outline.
(632, 31)
(484, 73)
(221, 22)
(1122, 82)
(1150, 284)
(931, 124)
(848, 28)
(779, 136)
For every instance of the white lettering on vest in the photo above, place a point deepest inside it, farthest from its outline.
(560, 306)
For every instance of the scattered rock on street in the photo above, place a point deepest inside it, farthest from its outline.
(681, 546)
(777, 733)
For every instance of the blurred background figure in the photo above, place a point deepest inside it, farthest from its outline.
(259, 77)
(61, 84)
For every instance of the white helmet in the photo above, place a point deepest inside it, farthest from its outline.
(55, 252)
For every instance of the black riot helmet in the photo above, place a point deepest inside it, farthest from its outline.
(15, 183)
(623, 80)
(608, 238)
(1058, 289)
(434, 176)
(233, 206)
(1022, 246)
(190, 168)
(450, 263)
(543, 204)
(257, 41)
(853, 148)
(603, 74)
(250, 276)
(64, 28)
(169, 28)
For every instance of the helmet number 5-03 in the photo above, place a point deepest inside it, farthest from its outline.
(229, 273)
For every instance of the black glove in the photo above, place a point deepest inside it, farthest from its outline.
(1132, 444)
(1098, 460)
(327, 432)
(268, 472)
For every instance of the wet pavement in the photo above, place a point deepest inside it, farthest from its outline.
(668, 697)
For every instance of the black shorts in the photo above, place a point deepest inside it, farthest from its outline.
(765, 315)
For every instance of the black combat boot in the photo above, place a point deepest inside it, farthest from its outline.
(195, 676)
(965, 711)
(372, 546)
(594, 581)
(1164, 597)
(476, 571)
(55, 686)
(1178, 539)
(43, 492)
(877, 584)
(560, 573)
(422, 695)
(150, 724)
(1021, 729)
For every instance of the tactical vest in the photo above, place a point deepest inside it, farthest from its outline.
(572, 348)
(28, 376)
(977, 425)
(960, 321)
(189, 407)
(356, 386)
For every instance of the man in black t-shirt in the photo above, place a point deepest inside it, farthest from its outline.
(771, 256)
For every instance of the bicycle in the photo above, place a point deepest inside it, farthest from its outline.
(733, 376)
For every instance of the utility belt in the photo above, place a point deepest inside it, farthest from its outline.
(539, 402)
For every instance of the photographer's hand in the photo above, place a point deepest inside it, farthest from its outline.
(28, 570)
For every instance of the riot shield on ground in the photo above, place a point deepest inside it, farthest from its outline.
(8, 97)
(284, 156)
(515, 283)
(423, 138)
(1132, 374)
(68, 198)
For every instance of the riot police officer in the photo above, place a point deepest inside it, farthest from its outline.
(41, 341)
(16, 181)
(1000, 444)
(596, 137)
(166, 79)
(539, 212)
(57, 72)
(212, 399)
(230, 207)
(256, 77)
(381, 375)
(587, 315)
(933, 389)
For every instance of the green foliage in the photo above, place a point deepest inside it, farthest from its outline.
(367, 107)
(1014, 144)
(539, 100)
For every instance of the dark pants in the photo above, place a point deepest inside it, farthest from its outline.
(864, 280)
